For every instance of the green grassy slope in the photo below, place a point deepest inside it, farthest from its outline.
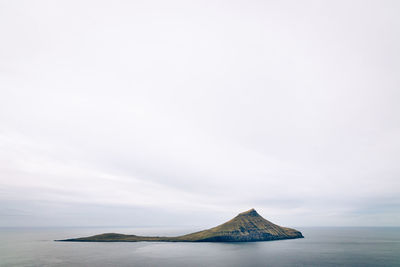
(247, 226)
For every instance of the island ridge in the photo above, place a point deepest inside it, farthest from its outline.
(247, 226)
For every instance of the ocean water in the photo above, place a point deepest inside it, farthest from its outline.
(323, 246)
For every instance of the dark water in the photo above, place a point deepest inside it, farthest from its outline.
(321, 247)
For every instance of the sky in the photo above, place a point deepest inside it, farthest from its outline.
(185, 113)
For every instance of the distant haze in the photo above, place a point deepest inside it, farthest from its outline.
(145, 113)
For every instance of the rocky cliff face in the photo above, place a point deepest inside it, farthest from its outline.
(246, 227)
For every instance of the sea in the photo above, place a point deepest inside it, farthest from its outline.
(322, 246)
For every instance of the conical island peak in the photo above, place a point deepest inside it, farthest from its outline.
(250, 212)
(247, 226)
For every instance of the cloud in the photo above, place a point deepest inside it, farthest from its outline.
(212, 107)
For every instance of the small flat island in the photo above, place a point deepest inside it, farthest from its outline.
(247, 226)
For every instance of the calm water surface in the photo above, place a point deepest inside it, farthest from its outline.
(321, 247)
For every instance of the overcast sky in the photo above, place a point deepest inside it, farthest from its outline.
(188, 112)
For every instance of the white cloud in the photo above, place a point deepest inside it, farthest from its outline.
(208, 106)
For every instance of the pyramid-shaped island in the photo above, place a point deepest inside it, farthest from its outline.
(246, 227)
